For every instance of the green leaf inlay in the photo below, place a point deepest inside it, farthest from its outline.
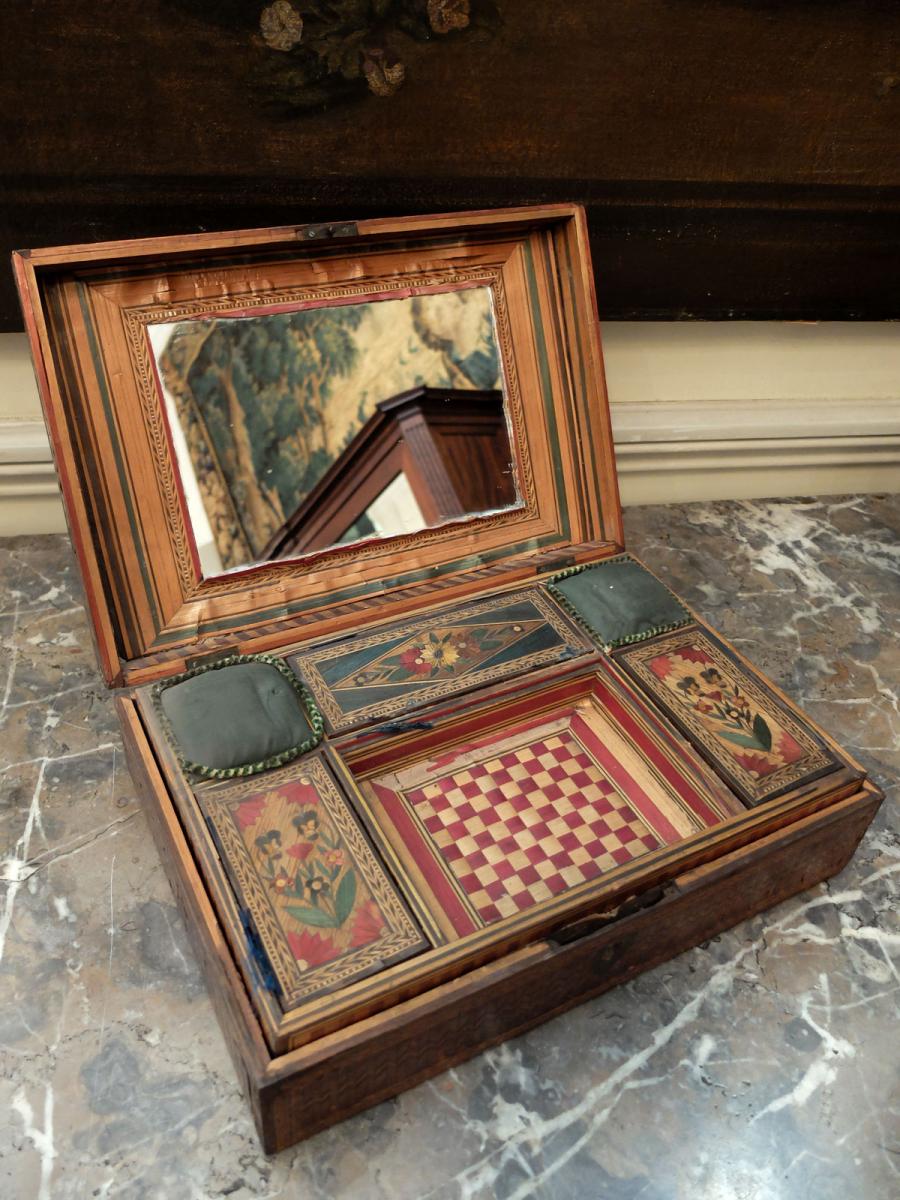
(762, 732)
(345, 898)
(311, 916)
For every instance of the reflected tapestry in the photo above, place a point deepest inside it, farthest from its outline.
(268, 402)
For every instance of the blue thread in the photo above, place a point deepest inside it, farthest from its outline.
(405, 726)
(571, 652)
(258, 956)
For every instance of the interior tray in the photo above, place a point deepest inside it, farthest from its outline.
(514, 802)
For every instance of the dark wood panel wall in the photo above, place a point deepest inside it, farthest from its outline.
(739, 158)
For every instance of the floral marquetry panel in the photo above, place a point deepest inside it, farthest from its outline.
(734, 720)
(312, 891)
(413, 663)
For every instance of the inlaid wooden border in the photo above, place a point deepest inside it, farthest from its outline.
(400, 937)
(242, 304)
(631, 782)
(87, 310)
(572, 644)
(816, 759)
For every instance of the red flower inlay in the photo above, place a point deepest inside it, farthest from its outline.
(367, 924)
(311, 949)
(249, 811)
(788, 750)
(411, 660)
(692, 654)
(300, 850)
(301, 793)
(661, 667)
(756, 764)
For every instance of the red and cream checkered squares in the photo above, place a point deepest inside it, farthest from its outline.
(529, 823)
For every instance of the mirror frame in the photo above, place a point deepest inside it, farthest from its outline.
(87, 308)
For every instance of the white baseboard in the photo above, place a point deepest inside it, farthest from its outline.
(29, 493)
(667, 452)
(677, 451)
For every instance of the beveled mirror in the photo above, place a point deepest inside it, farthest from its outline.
(298, 430)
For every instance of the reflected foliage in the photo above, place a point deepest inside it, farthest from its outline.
(252, 397)
(267, 403)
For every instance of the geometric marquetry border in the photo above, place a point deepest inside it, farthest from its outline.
(816, 760)
(296, 984)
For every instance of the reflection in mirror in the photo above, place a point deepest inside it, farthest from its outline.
(295, 431)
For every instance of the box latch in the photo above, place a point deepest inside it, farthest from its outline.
(595, 921)
(330, 231)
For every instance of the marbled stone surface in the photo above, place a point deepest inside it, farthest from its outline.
(760, 1066)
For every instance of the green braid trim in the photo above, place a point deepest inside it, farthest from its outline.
(267, 764)
(631, 638)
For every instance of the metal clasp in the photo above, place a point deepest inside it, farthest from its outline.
(593, 922)
(327, 232)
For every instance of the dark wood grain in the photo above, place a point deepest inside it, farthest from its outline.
(736, 158)
(452, 446)
(312, 1088)
(295, 1095)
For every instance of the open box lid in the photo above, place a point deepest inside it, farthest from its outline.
(178, 477)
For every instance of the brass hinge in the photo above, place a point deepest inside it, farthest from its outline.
(560, 562)
(212, 656)
(327, 232)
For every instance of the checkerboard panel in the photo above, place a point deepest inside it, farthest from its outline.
(525, 825)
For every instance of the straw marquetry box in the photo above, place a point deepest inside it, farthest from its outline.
(427, 755)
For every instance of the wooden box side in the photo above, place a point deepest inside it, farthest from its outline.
(232, 1005)
(299, 1093)
(327, 1081)
(459, 956)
